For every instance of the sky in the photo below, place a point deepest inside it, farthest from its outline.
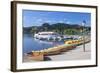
(37, 18)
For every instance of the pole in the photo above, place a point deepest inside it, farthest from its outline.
(83, 32)
(84, 42)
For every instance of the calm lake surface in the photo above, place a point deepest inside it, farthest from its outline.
(30, 43)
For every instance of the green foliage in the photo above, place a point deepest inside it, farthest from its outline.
(71, 31)
(60, 28)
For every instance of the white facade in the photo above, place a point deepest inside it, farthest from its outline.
(48, 35)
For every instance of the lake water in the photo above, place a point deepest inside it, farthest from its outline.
(30, 43)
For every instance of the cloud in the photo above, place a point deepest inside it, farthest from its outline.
(61, 21)
(39, 20)
(68, 22)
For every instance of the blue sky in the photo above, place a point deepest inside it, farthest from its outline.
(37, 18)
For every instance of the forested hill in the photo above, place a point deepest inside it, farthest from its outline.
(62, 28)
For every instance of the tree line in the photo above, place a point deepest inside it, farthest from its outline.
(61, 28)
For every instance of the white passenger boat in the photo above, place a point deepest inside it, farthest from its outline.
(48, 36)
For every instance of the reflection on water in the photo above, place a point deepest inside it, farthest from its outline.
(30, 43)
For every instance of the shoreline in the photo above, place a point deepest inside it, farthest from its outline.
(74, 54)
